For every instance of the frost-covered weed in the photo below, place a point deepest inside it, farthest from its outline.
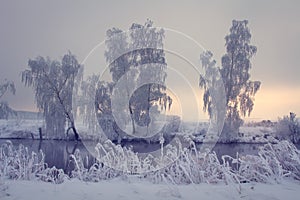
(176, 165)
(20, 164)
(52, 175)
(274, 162)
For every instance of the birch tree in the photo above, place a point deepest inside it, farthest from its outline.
(53, 82)
(239, 89)
(130, 53)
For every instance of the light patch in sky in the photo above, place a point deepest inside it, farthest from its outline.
(32, 28)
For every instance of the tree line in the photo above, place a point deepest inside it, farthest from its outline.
(53, 81)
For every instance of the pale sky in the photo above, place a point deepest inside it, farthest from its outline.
(31, 28)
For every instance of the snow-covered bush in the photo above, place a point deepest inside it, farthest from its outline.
(193, 167)
(124, 160)
(287, 155)
(21, 164)
(288, 128)
(52, 175)
(274, 162)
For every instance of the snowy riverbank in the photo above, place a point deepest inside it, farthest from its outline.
(138, 189)
(28, 128)
(20, 128)
(272, 174)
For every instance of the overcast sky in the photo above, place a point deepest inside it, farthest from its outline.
(51, 28)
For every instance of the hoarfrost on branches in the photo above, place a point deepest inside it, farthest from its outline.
(134, 57)
(53, 82)
(239, 89)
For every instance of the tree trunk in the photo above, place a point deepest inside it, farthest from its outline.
(132, 119)
(40, 133)
(76, 135)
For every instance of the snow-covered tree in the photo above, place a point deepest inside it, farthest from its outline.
(239, 89)
(5, 110)
(152, 52)
(213, 96)
(101, 91)
(53, 82)
(131, 58)
(118, 57)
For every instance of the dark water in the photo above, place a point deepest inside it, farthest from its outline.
(57, 153)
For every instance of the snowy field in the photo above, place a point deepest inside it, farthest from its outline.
(136, 189)
(20, 128)
(28, 128)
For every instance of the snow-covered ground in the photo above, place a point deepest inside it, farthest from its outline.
(137, 189)
(20, 128)
(248, 133)
(256, 134)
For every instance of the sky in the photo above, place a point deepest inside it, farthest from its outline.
(51, 28)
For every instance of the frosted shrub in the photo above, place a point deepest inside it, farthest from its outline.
(52, 175)
(273, 162)
(115, 156)
(260, 169)
(97, 172)
(111, 154)
(124, 159)
(78, 166)
(195, 167)
(288, 128)
(288, 156)
(22, 165)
